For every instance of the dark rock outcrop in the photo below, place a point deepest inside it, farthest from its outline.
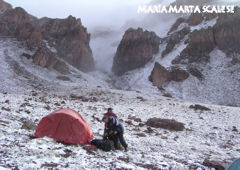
(195, 72)
(178, 74)
(71, 41)
(213, 164)
(67, 36)
(28, 125)
(161, 75)
(174, 39)
(46, 58)
(4, 6)
(226, 32)
(175, 26)
(195, 19)
(200, 44)
(63, 78)
(135, 50)
(168, 124)
(199, 107)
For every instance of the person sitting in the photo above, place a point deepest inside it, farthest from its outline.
(108, 114)
(114, 126)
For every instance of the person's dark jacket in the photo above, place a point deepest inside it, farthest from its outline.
(114, 125)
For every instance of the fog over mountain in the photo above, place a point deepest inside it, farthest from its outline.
(172, 79)
(91, 12)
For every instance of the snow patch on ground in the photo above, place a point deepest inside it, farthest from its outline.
(19, 73)
(208, 134)
(220, 84)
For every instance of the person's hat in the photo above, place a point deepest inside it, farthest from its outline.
(109, 109)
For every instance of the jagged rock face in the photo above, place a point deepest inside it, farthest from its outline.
(161, 75)
(67, 36)
(201, 43)
(45, 58)
(13, 20)
(178, 22)
(195, 19)
(4, 6)
(178, 74)
(135, 50)
(195, 72)
(226, 32)
(72, 41)
(174, 39)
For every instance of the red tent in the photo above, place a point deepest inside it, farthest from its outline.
(65, 125)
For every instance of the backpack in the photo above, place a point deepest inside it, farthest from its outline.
(105, 145)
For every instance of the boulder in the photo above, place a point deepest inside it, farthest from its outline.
(199, 107)
(168, 124)
(161, 75)
(63, 78)
(135, 50)
(28, 56)
(213, 164)
(168, 95)
(28, 125)
(178, 74)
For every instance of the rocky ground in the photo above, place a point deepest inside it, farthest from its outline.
(163, 132)
(209, 138)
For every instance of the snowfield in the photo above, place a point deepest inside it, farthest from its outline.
(29, 92)
(207, 135)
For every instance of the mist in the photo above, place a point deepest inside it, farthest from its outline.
(92, 12)
(106, 20)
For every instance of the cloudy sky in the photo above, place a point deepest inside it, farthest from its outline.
(91, 12)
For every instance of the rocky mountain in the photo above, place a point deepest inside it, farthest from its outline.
(4, 6)
(67, 38)
(135, 50)
(204, 46)
(196, 59)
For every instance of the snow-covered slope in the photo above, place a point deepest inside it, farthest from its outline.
(29, 92)
(219, 86)
(208, 134)
(19, 75)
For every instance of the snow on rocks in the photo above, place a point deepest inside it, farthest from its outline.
(207, 134)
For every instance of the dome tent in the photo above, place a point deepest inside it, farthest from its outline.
(65, 125)
(235, 165)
